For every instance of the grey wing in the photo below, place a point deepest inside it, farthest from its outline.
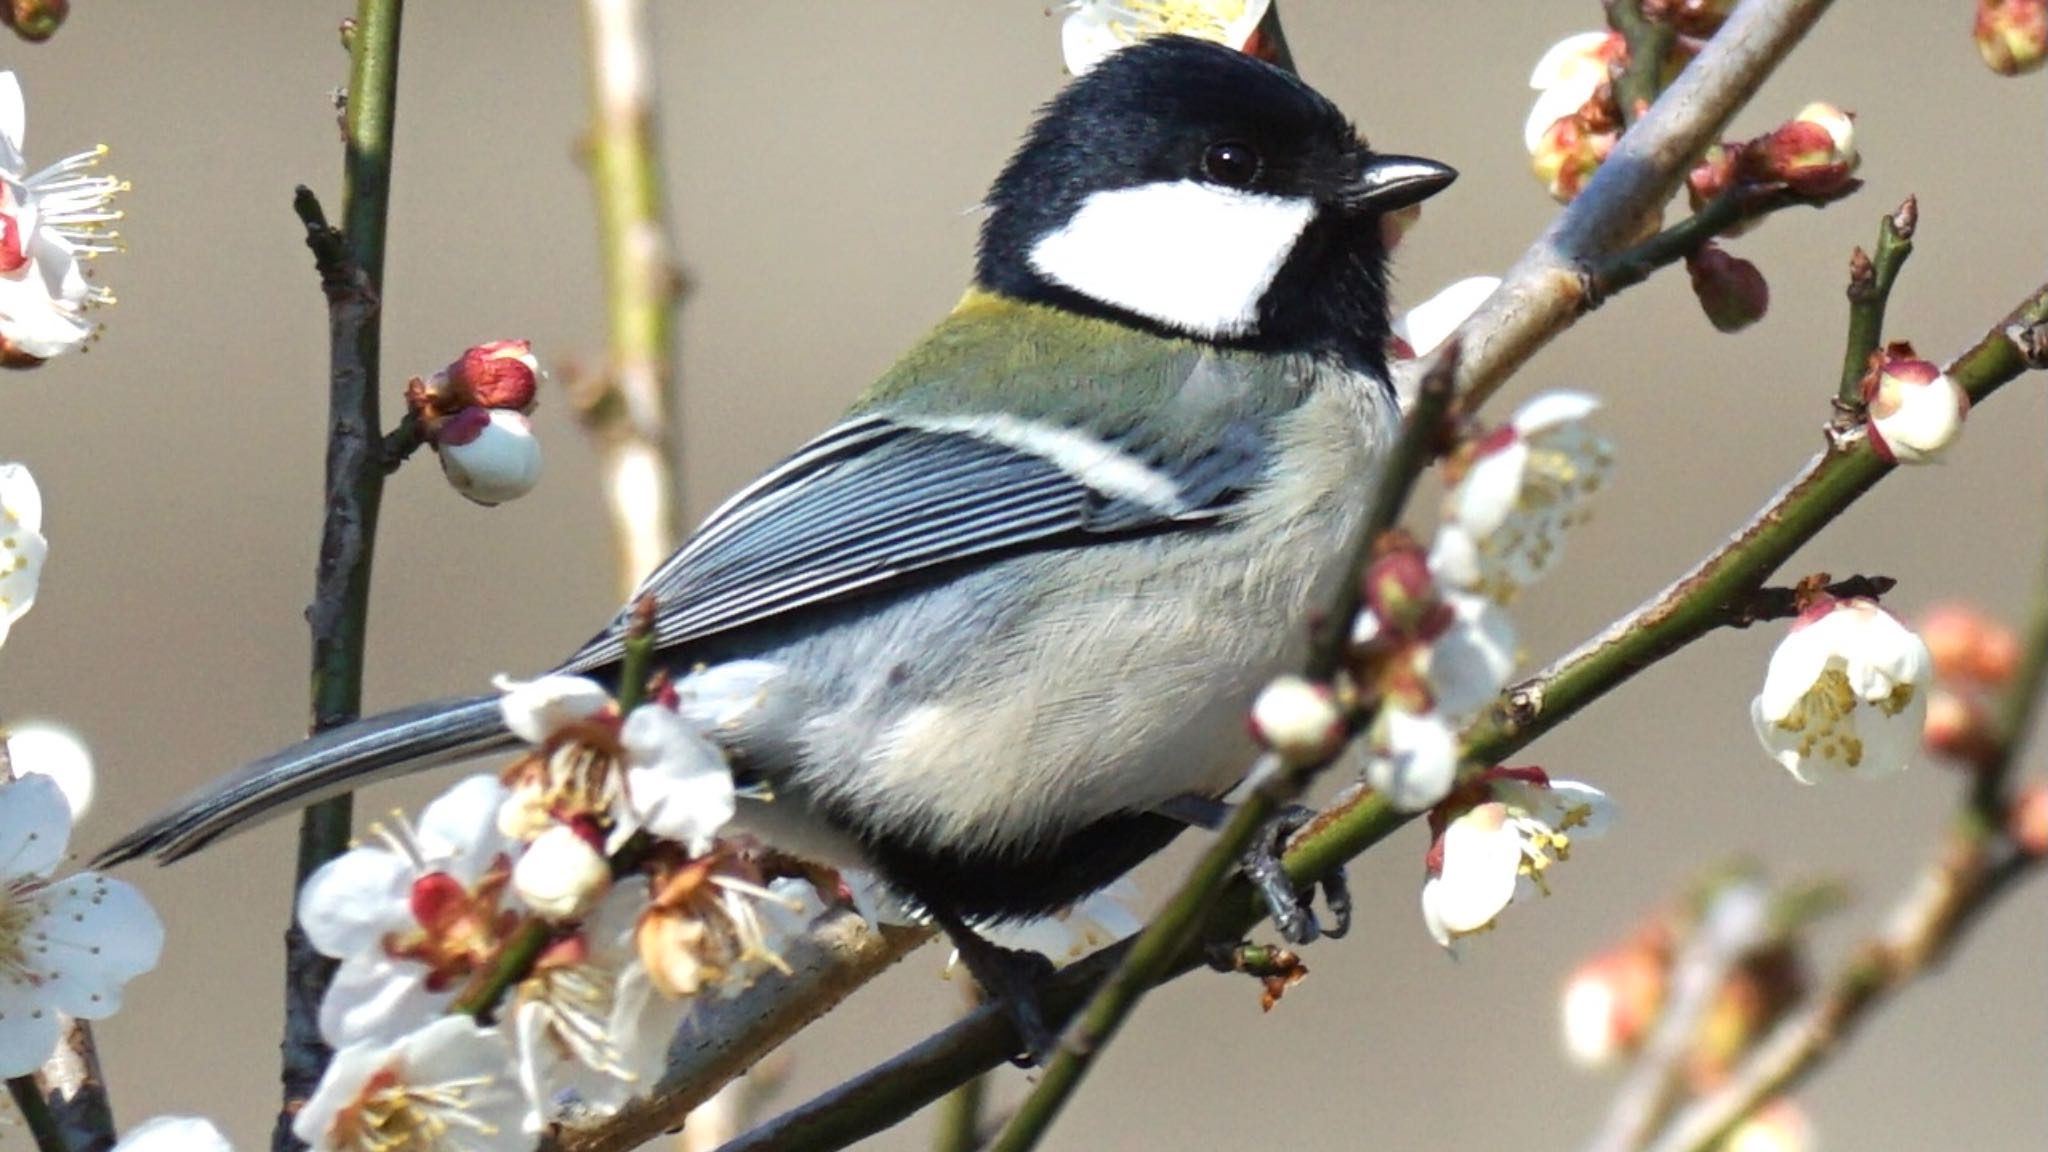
(879, 499)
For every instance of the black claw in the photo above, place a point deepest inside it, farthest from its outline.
(1293, 909)
(1011, 978)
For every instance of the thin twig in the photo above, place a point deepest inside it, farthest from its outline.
(351, 265)
(629, 409)
(76, 1090)
(1649, 41)
(35, 1112)
(1870, 289)
(1545, 291)
(1740, 204)
(1736, 920)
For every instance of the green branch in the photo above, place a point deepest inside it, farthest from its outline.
(1870, 289)
(1649, 41)
(1740, 204)
(351, 266)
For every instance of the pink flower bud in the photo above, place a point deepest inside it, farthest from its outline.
(2027, 822)
(1400, 591)
(2012, 35)
(490, 455)
(1299, 720)
(1814, 153)
(500, 374)
(1958, 727)
(1731, 290)
(1612, 1000)
(1916, 411)
(1969, 646)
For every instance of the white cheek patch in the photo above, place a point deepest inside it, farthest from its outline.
(1192, 256)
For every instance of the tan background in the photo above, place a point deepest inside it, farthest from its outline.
(824, 158)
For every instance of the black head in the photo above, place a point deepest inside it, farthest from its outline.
(1192, 190)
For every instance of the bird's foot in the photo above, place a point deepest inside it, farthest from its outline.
(1013, 979)
(1293, 908)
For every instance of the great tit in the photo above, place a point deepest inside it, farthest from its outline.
(984, 633)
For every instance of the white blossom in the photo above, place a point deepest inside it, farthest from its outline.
(66, 945)
(1298, 719)
(57, 752)
(589, 1023)
(1505, 520)
(22, 547)
(1499, 850)
(49, 221)
(174, 1134)
(1845, 693)
(450, 1086)
(1095, 28)
(1412, 758)
(1470, 661)
(1568, 75)
(1421, 329)
(412, 915)
(561, 874)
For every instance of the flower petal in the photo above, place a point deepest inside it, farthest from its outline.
(101, 933)
(35, 826)
(354, 900)
(1552, 409)
(174, 1134)
(1482, 857)
(536, 709)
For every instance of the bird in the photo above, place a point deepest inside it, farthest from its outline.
(995, 634)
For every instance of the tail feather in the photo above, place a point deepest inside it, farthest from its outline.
(331, 763)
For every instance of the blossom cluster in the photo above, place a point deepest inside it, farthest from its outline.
(1095, 28)
(525, 951)
(51, 221)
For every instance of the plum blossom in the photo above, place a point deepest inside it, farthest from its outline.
(1495, 841)
(174, 1134)
(66, 946)
(589, 1022)
(412, 916)
(50, 221)
(1522, 487)
(1298, 719)
(1412, 758)
(1567, 78)
(450, 1086)
(22, 547)
(52, 750)
(652, 770)
(715, 925)
(1420, 330)
(1845, 693)
(1095, 28)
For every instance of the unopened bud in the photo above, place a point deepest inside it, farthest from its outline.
(1814, 153)
(1299, 720)
(2027, 820)
(1567, 155)
(1713, 175)
(561, 875)
(490, 455)
(1400, 591)
(1959, 727)
(1916, 411)
(1611, 1001)
(1969, 646)
(500, 374)
(1731, 290)
(2012, 35)
(34, 20)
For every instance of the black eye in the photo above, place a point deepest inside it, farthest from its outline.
(1231, 162)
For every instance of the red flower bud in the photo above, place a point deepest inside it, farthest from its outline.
(2012, 35)
(500, 374)
(1731, 291)
(1814, 153)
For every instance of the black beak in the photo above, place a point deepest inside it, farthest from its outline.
(1388, 183)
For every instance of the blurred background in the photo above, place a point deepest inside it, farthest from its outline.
(823, 162)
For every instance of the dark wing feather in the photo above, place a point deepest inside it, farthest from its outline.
(876, 500)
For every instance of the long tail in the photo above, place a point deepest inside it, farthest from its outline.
(336, 761)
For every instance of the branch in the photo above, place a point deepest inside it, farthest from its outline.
(1870, 289)
(1740, 204)
(1546, 289)
(76, 1090)
(1735, 921)
(1649, 41)
(351, 266)
(628, 408)
(1825, 488)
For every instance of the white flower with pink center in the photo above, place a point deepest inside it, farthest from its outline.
(450, 1086)
(50, 221)
(22, 547)
(1522, 488)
